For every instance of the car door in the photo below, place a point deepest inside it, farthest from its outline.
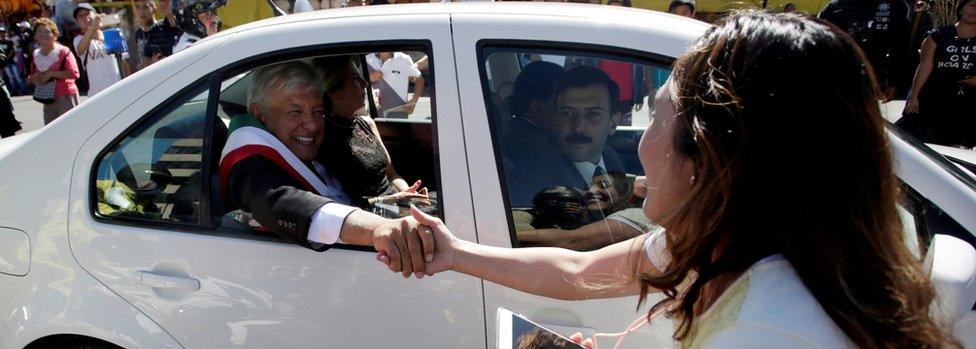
(637, 47)
(144, 216)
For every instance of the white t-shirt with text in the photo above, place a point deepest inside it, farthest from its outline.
(103, 69)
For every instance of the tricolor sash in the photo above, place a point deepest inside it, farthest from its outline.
(248, 137)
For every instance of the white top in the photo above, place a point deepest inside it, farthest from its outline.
(397, 71)
(186, 40)
(301, 6)
(43, 62)
(103, 70)
(767, 307)
(587, 169)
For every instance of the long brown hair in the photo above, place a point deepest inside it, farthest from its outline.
(779, 115)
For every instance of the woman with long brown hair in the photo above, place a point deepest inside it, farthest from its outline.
(758, 248)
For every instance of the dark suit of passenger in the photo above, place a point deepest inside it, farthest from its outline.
(276, 199)
(541, 170)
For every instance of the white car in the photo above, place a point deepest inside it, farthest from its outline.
(113, 231)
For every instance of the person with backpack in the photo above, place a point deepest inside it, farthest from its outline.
(103, 69)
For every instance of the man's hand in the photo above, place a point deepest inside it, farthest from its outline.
(640, 186)
(96, 24)
(406, 248)
(912, 105)
(889, 93)
(375, 76)
(447, 244)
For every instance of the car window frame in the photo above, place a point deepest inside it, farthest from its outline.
(484, 46)
(213, 81)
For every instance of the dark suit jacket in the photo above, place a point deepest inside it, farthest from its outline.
(276, 199)
(542, 170)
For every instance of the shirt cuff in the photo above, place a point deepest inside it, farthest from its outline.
(327, 223)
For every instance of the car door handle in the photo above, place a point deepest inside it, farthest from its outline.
(169, 282)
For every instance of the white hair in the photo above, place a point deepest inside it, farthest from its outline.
(286, 76)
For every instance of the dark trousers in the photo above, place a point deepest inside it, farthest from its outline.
(8, 124)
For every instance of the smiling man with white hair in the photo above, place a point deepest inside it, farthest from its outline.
(267, 167)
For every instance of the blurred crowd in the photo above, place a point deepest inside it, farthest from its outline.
(920, 52)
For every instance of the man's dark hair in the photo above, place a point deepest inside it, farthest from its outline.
(534, 83)
(624, 3)
(583, 76)
(675, 3)
(959, 8)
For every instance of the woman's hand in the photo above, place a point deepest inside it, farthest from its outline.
(912, 105)
(400, 196)
(40, 78)
(446, 244)
(971, 81)
(578, 339)
(640, 186)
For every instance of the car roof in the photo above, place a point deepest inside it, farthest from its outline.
(596, 13)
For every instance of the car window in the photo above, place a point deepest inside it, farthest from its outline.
(154, 171)
(376, 111)
(565, 125)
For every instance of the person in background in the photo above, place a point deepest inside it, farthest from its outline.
(941, 106)
(352, 149)
(8, 123)
(12, 70)
(64, 16)
(623, 3)
(195, 27)
(301, 6)
(102, 67)
(532, 105)
(881, 29)
(54, 61)
(789, 8)
(391, 73)
(747, 257)
(155, 39)
(684, 8)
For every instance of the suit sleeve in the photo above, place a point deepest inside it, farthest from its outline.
(276, 200)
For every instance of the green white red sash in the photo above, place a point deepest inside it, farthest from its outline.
(248, 137)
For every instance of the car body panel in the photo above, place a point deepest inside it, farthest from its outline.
(630, 30)
(87, 276)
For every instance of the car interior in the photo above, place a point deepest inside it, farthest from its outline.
(155, 172)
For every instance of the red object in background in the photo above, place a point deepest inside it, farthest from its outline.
(623, 74)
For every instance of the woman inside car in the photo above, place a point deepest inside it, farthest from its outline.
(756, 249)
(352, 149)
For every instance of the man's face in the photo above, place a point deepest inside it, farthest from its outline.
(684, 10)
(295, 118)
(84, 19)
(583, 120)
(144, 12)
(541, 112)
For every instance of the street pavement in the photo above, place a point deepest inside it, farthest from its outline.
(31, 113)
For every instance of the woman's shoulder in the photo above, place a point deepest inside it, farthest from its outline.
(941, 34)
